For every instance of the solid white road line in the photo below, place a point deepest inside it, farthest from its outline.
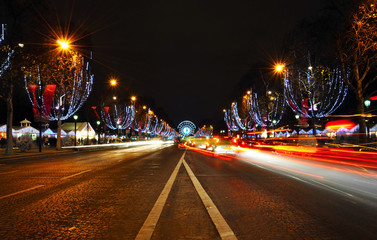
(150, 223)
(63, 178)
(22, 191)
(222, 226)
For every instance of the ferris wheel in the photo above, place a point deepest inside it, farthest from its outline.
(186, 128)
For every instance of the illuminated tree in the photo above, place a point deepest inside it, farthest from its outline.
(160, 127)
(357, 51)
(118, 116)
(242, 116)
(230, 120)
(314, 92)
(169, 132)
(143, 118)
(58, 85)
(20, 22)
(6, 77)
(267, 108)
(204, 131)
(154, 125)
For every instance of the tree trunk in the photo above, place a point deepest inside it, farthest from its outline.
(9, 102)
(361, 121)
(59, 132)
(314, 127)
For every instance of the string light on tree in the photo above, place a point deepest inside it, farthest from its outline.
(8, 52)
(268, 108)
(314, 92)
(118, 116)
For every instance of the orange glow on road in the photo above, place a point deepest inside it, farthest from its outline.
(209, 153)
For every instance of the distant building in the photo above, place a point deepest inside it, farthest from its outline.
(49, 133)
(83, 130)
(25, 129)
(18, 131)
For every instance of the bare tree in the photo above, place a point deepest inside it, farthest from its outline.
(7, 76)
(357, 51)
(21, 20)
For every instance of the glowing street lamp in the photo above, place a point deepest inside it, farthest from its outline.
(367, 103)
(75, 117)
(279, 67)
(63, 44)
(98, 129)
(113, 82)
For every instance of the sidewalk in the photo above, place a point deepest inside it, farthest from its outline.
(71, 149)
(31, 153)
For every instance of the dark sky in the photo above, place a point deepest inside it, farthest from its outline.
(187, 55)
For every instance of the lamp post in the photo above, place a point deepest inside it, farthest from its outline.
(367, 105)
(133, 100)
(297, 116)
(98, 130)
(75, 117)
(274, 123)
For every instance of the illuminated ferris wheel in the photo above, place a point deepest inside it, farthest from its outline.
(186, 128)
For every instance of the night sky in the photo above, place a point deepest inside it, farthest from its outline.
(186, 55)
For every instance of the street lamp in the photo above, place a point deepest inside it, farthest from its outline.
(274, 123)
(279, 67)
(98, 130)
(367, 105)
(113, 82)
(63, 44)
(75, 117)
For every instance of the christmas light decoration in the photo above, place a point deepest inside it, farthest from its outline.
(160, 127)
(72, 85)
(243, 122)
(204, 132)
(267, 109)
(314, 92)
(8, 52)
(118, 116)
(230, 119)
(153, 130)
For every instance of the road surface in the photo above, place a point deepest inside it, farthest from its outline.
(164, 192)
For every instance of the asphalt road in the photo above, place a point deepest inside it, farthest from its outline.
(134, 193)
